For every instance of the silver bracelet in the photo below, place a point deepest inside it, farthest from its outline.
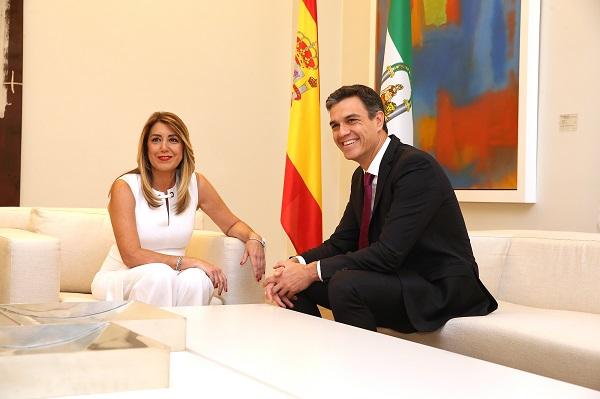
(260, 240)
(178, 264)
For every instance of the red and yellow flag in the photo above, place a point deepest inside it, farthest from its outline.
(301, 205)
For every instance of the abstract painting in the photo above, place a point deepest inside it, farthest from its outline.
(11, 77)
(474, 93)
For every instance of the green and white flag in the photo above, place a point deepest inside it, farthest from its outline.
(396, 90)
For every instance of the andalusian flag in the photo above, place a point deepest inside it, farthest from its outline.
(396, 90)
(301, 205)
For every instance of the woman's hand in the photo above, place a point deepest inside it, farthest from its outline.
(214, 273)
(256, 252)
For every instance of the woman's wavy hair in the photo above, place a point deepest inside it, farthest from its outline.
(186, 167)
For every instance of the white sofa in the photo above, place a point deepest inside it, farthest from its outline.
(547, 285)
(52, 254)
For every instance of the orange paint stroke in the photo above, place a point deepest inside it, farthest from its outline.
(417, 22)
(468, 135)
(508, 181)
(426, 130)
(453, 11)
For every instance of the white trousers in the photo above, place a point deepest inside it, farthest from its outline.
(155, 284)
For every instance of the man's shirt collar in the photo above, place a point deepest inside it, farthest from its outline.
(374, 166)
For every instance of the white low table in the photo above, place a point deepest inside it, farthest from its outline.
(308, 357)
(194, 376)
(261, 351)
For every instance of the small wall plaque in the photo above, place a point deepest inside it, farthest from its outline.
(567, 123)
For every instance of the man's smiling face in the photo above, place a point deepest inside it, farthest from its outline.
(356, 135)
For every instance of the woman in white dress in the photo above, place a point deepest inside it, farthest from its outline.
(152, 211)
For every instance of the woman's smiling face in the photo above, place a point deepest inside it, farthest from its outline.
(165, 149)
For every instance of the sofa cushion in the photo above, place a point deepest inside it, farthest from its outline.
(560, 271)
(490, 254)
(546, 269)
(15, 217)
(85, 237)
(555, 343)
(226, 252)
(29, 271)
(76, 297)
(79, 297)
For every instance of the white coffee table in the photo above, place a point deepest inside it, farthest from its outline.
(193, 376)
(308, 357)
(261, 351)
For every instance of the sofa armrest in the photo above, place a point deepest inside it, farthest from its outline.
(226, 252)
(29, 267)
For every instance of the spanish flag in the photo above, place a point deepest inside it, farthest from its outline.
(301, 205)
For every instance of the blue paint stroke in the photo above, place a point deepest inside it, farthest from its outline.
(466, 60)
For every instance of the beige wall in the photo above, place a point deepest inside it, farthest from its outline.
(94, 71)
(357, 31)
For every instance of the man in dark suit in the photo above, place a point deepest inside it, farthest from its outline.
(400, 256)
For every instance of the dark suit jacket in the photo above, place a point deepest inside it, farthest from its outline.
(417, 233)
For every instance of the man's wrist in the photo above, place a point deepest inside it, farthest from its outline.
(311, 268)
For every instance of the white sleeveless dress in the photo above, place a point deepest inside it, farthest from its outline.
(160, 230)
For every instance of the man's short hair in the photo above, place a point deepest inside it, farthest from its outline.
(365, 94)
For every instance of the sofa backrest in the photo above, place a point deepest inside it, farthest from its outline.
(546, 269)
(15, 217)
(490, 253)
(85, 236)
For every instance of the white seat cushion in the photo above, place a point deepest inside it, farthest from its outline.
(555, 343)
